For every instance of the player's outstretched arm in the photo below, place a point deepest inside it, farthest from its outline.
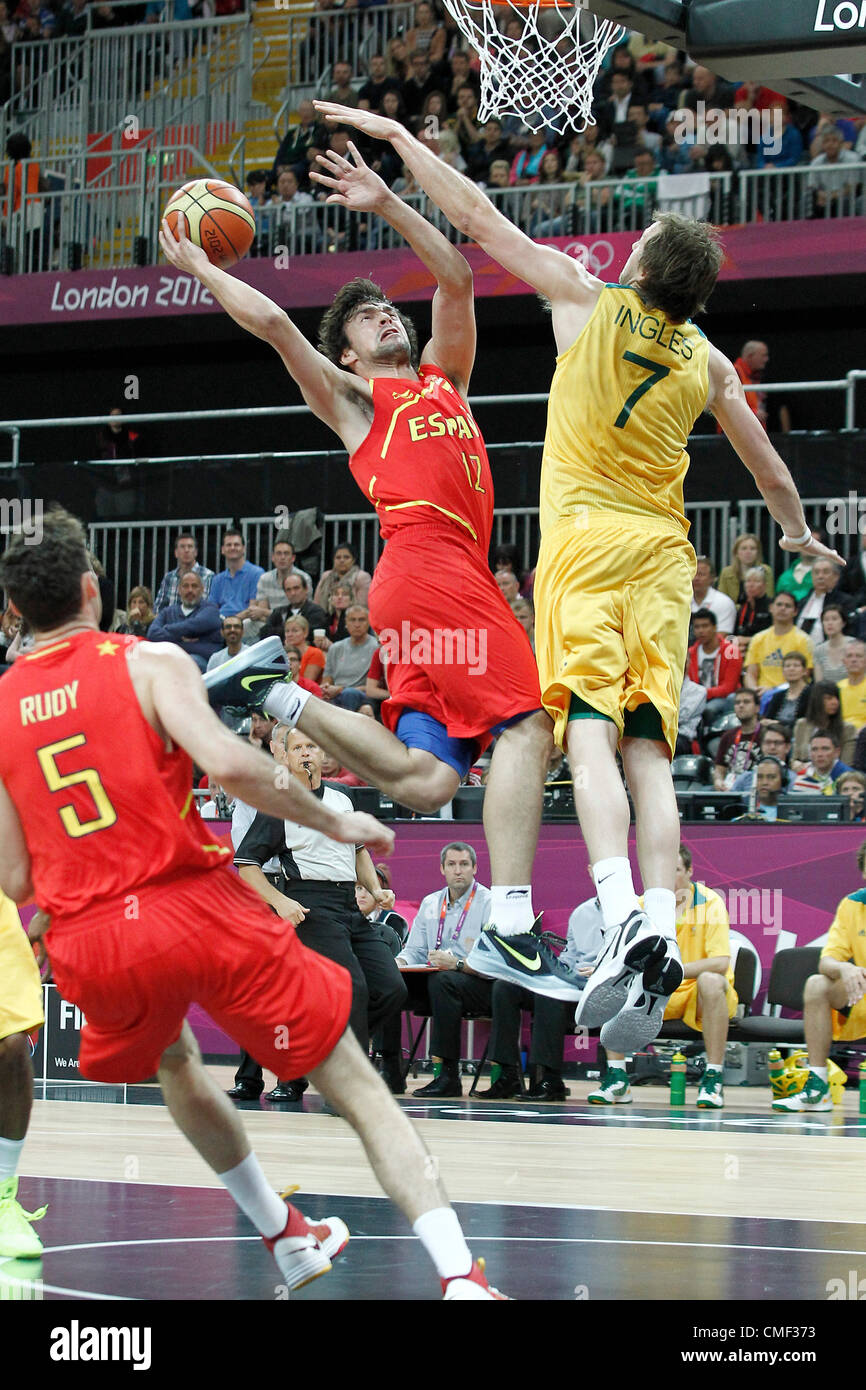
(15, 878)
(727, 401)
(557, 276)
(357, 187)
(331, 394)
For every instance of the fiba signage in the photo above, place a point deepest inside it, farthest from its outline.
(846, 14)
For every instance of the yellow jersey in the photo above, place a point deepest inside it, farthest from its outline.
(847, 936)
(767, 651)
(623, 401)
(703, 930)
(853, 701)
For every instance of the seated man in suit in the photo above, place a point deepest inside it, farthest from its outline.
(193, 623)
(550, 1018)
(706, 999)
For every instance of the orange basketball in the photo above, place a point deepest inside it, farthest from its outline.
(218, 217)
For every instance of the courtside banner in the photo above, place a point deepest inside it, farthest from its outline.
(754, 252)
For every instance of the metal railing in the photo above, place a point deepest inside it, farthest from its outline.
(317, 41)
(67, 92)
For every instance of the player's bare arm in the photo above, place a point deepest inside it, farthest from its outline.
(284, 906)
(341, 401)
(15, 878)
(359, 188)
(557, 276)
(369, 879)
(169, 689)
(727, 401)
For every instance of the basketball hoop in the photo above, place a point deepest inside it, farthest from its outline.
(546, 82)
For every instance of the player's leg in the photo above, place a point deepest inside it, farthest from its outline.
(712, 1019)
(204, 1114)
(512, 816)
(401, 1163)
(820, 997)
(18, 1240)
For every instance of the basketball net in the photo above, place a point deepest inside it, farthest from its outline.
(544, 82)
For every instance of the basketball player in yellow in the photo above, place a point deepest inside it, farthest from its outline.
(20, 1014)
(613, 583)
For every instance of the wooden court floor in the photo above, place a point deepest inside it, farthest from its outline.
(564, 1201)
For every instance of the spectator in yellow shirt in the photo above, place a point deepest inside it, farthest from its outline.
(833, 1002)
(706, 999)
(852, 690)
(767, 650)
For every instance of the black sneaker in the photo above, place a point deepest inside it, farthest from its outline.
(244, 680)
(525, 960)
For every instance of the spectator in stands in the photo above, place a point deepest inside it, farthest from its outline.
(706, 1000)
(767, 649)
(769, 784)
(233, 639)
(834, 1008)
(825, 589)
(789, 702)
(447, 924)
(819, 775)
(622, 63)
(376, 684)
(507, 557)
(481, 155)
(551, 1019)
(638, 194)
(234, 588)
(460, 74)
(285, 200)
(420, 81)
(782, 154)
(750, 367)
(822, 712)
(433, 120)
(830, 182)
(186, 554)
(257, 188)
(72, 20)
(525, 614)
(852, 786)
(550, 209)
(746, 554)
(714, 664)
(397, 58)
(333, 771)
(854, 578)
(592, 209)
(377, 84)
(118, 440)
(644, 137)
(829, 654)
(297, 634)
(665, 96)
(580, 147)
(294, 656)
(348, 662)
(193, 623)
(738, 749)
(693, 700)
(709, 89)
(139, 612)
(614, 111)
(466, 117)
(342, 597)
(852, 690)
(775, 743)
(526, 165)
(753, 614)
(296, 602)
(270, 593)
(508, 585)
(705, 596)
(341, 89)
(797, 578)
(344, 567)
(292, 151)
(427, 35)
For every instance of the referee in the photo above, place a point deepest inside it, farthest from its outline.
(320, 875)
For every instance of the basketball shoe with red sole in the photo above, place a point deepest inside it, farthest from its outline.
(472, 1287)
(304, 1249)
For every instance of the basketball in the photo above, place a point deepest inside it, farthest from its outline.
(218, 219)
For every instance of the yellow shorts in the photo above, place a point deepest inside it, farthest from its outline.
(612, 599)
(20, 985)
(849, 1027)
(683, 1004)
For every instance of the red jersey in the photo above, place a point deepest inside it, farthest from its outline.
(424, 459)
(104, 808)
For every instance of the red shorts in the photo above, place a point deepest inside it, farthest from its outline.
(454, 648)
(200, 938)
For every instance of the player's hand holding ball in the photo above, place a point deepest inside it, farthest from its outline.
(207, 222)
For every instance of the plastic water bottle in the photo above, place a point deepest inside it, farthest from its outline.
(776, 1069)
(678, 1079)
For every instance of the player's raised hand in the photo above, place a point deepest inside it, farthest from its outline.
(357, 828)
(354, 183)
(813, 547)
(179, 251)
(370, 122)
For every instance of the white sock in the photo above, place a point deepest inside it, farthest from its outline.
(440, 1234)
(10, 1153)
(714, 1066)
(819, 1071)
(248, 1185)
(615, 888)
(285, 702)
(660, 906)
(511, 908)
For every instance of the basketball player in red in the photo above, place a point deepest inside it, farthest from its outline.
(97, 821)
(460, 667)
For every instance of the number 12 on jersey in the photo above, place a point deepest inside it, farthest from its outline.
(657, 373)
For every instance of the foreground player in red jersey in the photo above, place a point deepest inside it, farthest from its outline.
(460, 667)
(97, 820)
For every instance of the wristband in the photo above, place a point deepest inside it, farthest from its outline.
(798, 540)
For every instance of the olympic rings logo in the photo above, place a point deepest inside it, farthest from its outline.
(591, 256)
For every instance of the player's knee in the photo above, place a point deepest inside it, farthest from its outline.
(182, 1052)
(817, 989)
(14, 1050)
(711, 985)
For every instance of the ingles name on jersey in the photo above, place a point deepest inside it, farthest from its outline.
(650, 327)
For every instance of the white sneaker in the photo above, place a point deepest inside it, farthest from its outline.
(628, 950)
(815, 1095)
(613, 1089)
(304, 1248)
(641, 1016)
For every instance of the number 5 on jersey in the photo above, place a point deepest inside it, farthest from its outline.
(58, 781)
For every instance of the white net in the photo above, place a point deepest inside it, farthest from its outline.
(539, 60)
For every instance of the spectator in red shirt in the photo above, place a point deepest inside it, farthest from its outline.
(714, 664)
(294, 657)
(749, 367)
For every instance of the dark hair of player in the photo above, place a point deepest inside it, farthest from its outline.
(681, 265)
(347, 301)
(43, 580)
